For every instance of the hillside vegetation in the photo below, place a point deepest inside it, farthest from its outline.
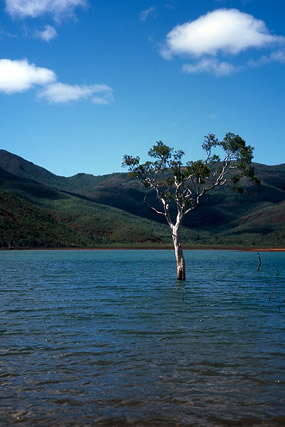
(40, 209)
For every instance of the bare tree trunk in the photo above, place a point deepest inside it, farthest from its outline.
(180, 260)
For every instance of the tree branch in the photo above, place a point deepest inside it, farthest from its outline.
(152, 207)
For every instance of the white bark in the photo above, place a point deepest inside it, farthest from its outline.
(186, 185)
(180, 260)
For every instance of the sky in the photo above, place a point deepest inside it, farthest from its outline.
(83, 82)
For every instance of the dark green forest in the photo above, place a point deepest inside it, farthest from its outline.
(41, 210)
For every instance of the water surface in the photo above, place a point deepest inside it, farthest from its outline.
(111, 338)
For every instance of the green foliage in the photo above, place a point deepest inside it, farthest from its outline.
(186, 185)
(200, 170)
(24, 225)
(68, 221)
(161, 152)
(35, 215)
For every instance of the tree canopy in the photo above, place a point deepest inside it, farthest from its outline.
(186, 184)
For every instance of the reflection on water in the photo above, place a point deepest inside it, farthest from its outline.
(110, 338)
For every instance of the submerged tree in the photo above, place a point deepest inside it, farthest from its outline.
(184, 185)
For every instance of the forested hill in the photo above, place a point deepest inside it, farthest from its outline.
(25, 169)
(88, 210)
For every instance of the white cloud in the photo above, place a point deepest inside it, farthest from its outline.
(210, 65)
(18, 76)
(63, 93)
(276, 56)
(221, 31)
(47, 34)
(35, 8)
(147, 13)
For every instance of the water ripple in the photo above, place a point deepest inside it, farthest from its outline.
(111, 338)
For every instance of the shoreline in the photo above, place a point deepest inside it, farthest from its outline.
(149, 248)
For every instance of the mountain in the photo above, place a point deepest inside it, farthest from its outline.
(22, 168)
(24, 225)
(36, 215)
(109, 209)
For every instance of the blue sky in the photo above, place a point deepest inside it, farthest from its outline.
(83, 82)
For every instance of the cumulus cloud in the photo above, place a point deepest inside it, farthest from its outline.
(221, 32)
(147, 13)
(35, 8)
(63, 93)
(224, 30)
(47, 34)
(18, 76)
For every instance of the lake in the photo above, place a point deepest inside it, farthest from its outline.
(110, 338)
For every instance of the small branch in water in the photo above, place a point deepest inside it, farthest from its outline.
(276, 283)
(259, 261)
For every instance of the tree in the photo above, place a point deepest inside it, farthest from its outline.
(184, 185)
